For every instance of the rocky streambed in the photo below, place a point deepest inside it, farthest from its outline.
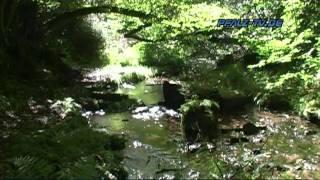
(283, 146)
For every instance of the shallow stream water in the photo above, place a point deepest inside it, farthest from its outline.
(155, 148)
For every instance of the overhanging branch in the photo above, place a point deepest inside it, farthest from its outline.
(95, 10)
(138, 29)
(138, 38)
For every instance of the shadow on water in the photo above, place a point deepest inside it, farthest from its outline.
(156, 150)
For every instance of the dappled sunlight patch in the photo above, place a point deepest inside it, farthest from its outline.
(121, 74)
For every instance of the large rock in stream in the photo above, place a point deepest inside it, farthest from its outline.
(172, 96)
(199, 120)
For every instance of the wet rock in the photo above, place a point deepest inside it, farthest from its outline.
(234, 140)
(256, 151)
(172, 97)
(199, 120)
(313, 117)
(251, 129)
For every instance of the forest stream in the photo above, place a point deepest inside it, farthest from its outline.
(157, 89)
(155, 147)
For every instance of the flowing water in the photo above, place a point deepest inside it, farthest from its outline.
(155, 148)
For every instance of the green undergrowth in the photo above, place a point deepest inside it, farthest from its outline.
(69, 149)
(43, 135)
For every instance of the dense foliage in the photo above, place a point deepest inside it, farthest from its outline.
(45, 44)
(289, 56)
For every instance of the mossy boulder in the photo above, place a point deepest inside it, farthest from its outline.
(200, 120)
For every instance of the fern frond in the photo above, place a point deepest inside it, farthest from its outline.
(84, 168)
(30, 167)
